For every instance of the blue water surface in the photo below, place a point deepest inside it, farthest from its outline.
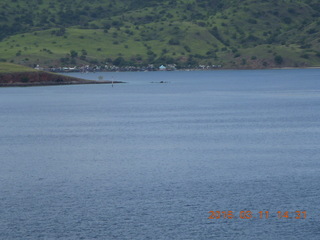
(149, 160)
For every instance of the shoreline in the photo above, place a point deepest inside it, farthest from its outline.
(189, 69)
(41, 78)
(38, 84)
(36, 78)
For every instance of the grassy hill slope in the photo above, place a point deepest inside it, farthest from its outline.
(13, 68)
(232, 33)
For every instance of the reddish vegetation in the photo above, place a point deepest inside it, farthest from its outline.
(41, 79)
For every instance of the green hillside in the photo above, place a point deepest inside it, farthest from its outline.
(13, 68)
(231, 33)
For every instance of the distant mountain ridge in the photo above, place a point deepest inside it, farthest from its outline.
(231, 33)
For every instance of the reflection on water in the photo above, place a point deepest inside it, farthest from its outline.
(146, 160)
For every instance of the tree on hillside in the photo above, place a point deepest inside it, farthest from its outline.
(73, 54)
(278, 59)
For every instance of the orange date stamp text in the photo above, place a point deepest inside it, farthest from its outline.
(257, 215)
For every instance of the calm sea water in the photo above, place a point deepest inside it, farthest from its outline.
(144, 160)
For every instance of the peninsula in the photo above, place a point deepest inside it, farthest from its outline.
(12, 75)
